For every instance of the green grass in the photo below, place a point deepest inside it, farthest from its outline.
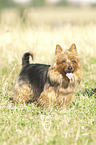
(39, 33)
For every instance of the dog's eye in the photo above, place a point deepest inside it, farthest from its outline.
(64, 61)
(72, 60)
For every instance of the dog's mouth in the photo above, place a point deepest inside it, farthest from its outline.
(69, 74)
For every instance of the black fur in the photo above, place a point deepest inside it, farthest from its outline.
(33, 74)
(25, 58)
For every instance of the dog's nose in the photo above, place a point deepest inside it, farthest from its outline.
(69, 67)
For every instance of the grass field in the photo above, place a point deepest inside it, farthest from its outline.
(39, 30)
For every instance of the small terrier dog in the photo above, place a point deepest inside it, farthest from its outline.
(49, 85)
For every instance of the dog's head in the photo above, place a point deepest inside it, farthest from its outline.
(66, 62)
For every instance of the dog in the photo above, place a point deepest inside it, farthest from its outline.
(49, 85)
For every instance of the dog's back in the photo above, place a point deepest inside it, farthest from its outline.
(35, 75)
(31, 80)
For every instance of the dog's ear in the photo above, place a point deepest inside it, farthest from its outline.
(58, 49)
(73, 48)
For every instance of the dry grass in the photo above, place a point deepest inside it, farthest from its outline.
(39, 31)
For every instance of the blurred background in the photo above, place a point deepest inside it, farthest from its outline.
(14, 3)
(62, 16)
(50, 10)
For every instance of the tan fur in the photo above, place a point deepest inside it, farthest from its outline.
(62, 92)
(60, 96)
(22, 92)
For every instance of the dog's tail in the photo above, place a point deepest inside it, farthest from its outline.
(25, 58)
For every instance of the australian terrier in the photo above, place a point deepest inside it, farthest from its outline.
(49, 85)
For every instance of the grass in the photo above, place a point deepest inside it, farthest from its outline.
(39, 31)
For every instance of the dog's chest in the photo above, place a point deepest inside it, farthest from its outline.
(66, 87)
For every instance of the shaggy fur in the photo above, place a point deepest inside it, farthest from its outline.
(49, 84)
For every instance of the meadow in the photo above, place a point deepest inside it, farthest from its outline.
(39, 30)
